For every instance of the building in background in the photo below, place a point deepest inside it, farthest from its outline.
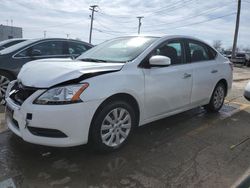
(9, 32)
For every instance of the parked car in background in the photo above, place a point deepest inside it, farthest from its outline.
(247, 92)
(10, 42)
(112, 88)
(14, 57)
(248, 59)
(227, 54)
(239, 59)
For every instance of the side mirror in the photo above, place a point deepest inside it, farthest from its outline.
(159, 60)
(35, 53)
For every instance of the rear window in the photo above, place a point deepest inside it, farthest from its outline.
(211, 53)
(199, 51)
(240, 55)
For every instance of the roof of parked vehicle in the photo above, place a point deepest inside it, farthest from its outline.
(30, 41)
(10, 40)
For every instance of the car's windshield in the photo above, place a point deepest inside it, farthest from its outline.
(118, 50)
(16, 46)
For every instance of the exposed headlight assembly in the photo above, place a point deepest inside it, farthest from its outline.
(62, 95)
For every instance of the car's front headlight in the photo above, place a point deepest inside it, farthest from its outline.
(62, 95)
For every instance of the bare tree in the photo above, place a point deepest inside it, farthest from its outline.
(217, 44)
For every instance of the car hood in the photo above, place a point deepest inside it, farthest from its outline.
(50, 72)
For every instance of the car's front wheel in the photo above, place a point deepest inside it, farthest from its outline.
(217, 99)
(112, 126)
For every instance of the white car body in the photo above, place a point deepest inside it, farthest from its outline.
(247, 91)
(158, 91)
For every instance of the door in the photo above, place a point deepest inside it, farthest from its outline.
(206, 71)
(168, 89)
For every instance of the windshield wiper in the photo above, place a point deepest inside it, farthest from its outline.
(93, 60)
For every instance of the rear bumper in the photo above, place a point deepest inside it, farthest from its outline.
(239, 61)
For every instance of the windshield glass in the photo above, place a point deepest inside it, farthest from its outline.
(118, 50)
(16, 46)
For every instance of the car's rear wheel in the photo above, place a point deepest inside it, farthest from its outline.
(5, 79)
(217, 99)
(112, 126)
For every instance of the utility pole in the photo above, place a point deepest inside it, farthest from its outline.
(92, 8)
(139, 26)
(44, 34)
(236, 30)
(11, 21)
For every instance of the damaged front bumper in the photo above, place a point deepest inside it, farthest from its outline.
(50, 125)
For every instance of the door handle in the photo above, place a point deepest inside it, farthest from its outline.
(186, 75)
(214, 71)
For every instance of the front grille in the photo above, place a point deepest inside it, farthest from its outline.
(52, 133)
(19, 93)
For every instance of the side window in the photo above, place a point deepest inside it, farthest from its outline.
(76, 48)
(43, 49)
(173, 50)
(198, 52)
(212, 53)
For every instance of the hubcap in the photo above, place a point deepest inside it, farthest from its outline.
(4, 81)
(116, 127)
(219, 95)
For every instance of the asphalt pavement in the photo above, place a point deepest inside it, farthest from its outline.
(191, 149)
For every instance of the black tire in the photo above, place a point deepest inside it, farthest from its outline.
(214, 106)
(248, 64)
(95, 131)
(3, 76)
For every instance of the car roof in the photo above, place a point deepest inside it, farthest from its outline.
(65, 39)
(33, 41)
(166, 37)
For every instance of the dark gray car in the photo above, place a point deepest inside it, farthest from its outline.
(14, 57)
(10, 42)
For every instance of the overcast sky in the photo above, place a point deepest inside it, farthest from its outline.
(206, 19)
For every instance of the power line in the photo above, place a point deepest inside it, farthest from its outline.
(172, 8)
(106, 32)
(166, 8)
(120, 24)
(195, 23)
(212, 19)
(108, 28)
(190, 17)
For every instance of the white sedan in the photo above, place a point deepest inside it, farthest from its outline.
(112, 88)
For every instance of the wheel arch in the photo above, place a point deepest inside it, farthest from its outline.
(224, 82)
(9, 73)
(119, 96)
